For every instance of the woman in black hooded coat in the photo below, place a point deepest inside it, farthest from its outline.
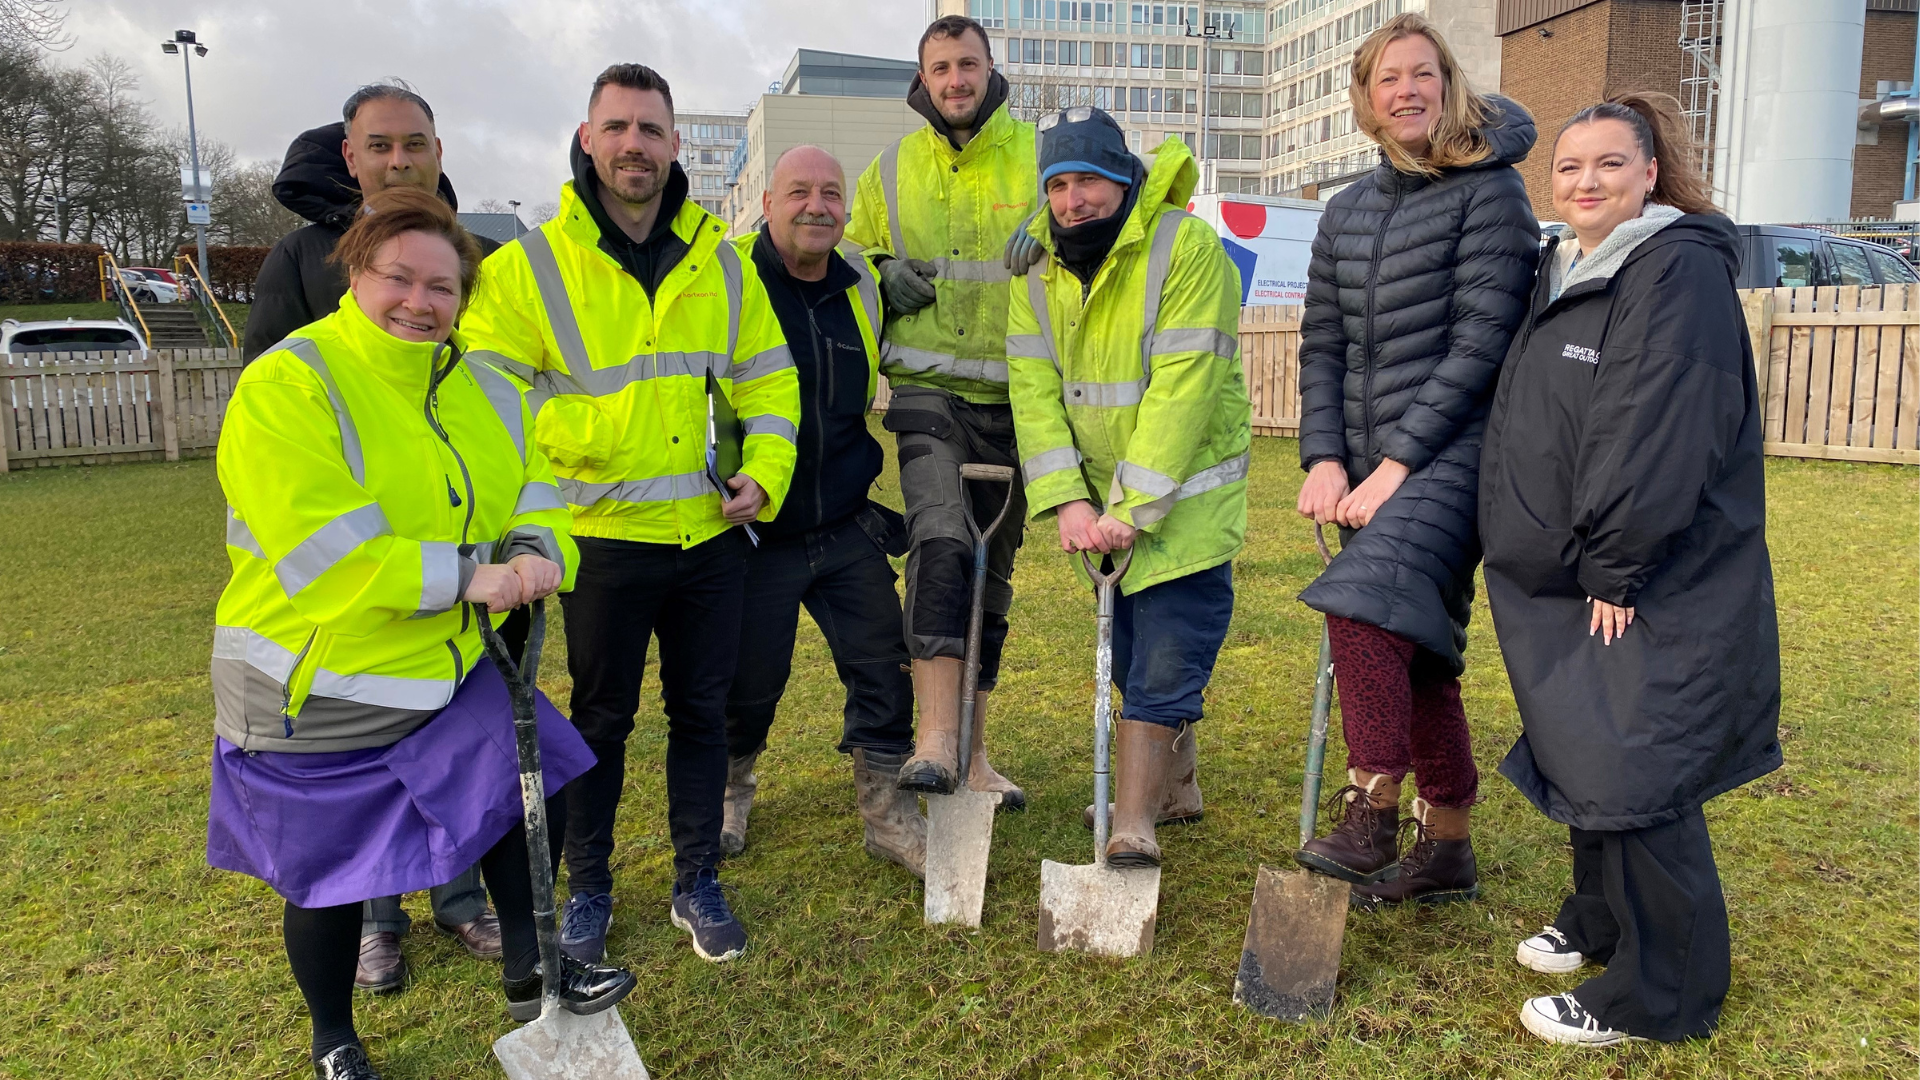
(1418, 279)
(1623, 506)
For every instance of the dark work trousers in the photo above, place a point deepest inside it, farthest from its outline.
(461, 900)
(847, 585)
(1647, 904)
(938, 432)
(1166, 638)
(624, 593)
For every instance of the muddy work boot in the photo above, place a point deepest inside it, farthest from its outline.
(1439, 868)
(980, 775)
(1181, 804)
(895, 830)
(1146, 752)
(741, 784)
(1362, 848)
(934, 768)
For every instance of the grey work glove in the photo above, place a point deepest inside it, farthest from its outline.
(908, 283)
(1023, 251)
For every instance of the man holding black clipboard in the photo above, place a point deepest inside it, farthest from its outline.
(668, 403)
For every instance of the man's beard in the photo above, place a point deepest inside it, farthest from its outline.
(964, 123)
(632, 190)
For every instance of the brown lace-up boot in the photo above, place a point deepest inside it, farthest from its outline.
(1361, 849)
(1439, 869)
(741, 784)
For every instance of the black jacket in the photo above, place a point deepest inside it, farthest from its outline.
(297, 285)
(1414, 290)
(649, 261)
(838, 457)
(1623, 461)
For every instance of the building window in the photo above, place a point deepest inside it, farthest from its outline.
(1159, 56)
(1103, 54)
(1050, 54)
(1153, 100)
(1033, 50)
(1137, 98)
(1139, 56)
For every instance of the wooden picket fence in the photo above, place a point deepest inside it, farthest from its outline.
(1839, 373)
(96, 408)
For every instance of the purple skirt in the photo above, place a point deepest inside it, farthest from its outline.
(342, 827)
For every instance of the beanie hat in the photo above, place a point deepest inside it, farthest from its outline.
(1084, 139)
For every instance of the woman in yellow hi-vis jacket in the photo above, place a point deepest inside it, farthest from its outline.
(381, 491)
(1133, 424)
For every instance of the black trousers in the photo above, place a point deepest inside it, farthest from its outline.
(847, 585)
(1647, 904)
(690, 598)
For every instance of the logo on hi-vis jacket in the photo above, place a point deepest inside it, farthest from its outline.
(1581, 352)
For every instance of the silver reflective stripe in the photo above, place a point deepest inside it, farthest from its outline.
(505, 399)
(1109, 395)
(1032, 345)
(308, 352)
(238, 535)
(1037, 299)
(1159, 265)
(1048, 462)
(538, 495)
(537, 397)
(768, 424)
(553, 296)
(890, 188)
(1141, 478)
(765, 362)
(439, 577)
(276, 661)
(914, 359)
(523, 372)
(730, 270)
(1196, 339)
(1230, 471)
(330, 543)
(654, 489)
(547, 541)
(257, 650)
(869, 291)
(483, 552)
(991, 271)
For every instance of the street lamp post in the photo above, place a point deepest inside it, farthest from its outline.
(514, 205)
(1207, 35)
(187, 43)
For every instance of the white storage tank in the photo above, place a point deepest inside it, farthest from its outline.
(1789, 95)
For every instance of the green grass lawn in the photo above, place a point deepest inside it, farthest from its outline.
(123, 955)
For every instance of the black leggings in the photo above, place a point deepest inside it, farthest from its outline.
(323, 944)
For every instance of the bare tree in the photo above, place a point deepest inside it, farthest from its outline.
(543, 213)
(245, 211)
(493, 206)
(34, 24)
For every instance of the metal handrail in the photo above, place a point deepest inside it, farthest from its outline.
(122, 294)
(209, 303)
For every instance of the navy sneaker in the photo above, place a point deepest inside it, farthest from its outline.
(703, 912)
(583, 926)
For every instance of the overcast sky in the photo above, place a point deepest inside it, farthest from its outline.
(507, 79)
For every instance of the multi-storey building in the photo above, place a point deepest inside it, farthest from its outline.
(707, 144)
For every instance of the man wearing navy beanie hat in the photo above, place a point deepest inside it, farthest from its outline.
(1123, 357)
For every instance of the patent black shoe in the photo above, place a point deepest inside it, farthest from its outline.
(585, 989)
(347, 1062)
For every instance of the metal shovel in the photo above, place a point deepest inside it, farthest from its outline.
(960, 825)
(558, 1045)
(1099, 909)
(1291, 958)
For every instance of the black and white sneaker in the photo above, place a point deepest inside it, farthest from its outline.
(1561, 1019)
(702, 911)
(1549, 953)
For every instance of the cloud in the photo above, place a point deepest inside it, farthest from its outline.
(507, 79)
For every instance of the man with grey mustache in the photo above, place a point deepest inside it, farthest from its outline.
(827, 549)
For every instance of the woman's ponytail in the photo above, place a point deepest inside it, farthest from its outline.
(1655, 121)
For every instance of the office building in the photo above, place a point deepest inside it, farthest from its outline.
(817, 73)
(707, 144)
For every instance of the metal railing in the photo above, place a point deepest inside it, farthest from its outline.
(206, 306)
(114, 287)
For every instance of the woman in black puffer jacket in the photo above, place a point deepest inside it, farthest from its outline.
(1420, 275)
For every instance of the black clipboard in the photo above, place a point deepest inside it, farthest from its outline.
(726, 438)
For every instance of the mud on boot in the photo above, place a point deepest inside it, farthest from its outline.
(895, 830)
(1181, 804)
(1146, 749)
(934, 768)
(1438, 869)
(1363, 848)
(741, 785)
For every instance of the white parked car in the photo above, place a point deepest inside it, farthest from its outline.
(150, 288)
(70, 335)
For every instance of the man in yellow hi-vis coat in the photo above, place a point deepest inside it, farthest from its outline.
(1134, 428)
(638, 325)
(934, 212)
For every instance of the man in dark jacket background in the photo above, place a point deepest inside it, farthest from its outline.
(386, 138)
(824, 550)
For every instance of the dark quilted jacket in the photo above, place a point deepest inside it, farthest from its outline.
(1413, 294)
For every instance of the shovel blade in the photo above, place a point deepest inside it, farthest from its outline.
(959, 835)
(1097, 909)
(562, 1046)
(1292, 954)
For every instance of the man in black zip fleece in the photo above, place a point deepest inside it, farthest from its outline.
(828, 547)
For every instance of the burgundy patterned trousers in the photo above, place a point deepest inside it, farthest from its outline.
(1401, 712)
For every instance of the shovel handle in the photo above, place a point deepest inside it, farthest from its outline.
(1104, 586)
(970, 672)
(1322, 710)
(533, 794)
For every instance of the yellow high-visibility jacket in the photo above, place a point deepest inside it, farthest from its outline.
(365, 478)
(620, 381)
(922, 199)
(865, 298)
(1129, 394)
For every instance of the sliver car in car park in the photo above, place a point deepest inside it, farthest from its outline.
(148, 287)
